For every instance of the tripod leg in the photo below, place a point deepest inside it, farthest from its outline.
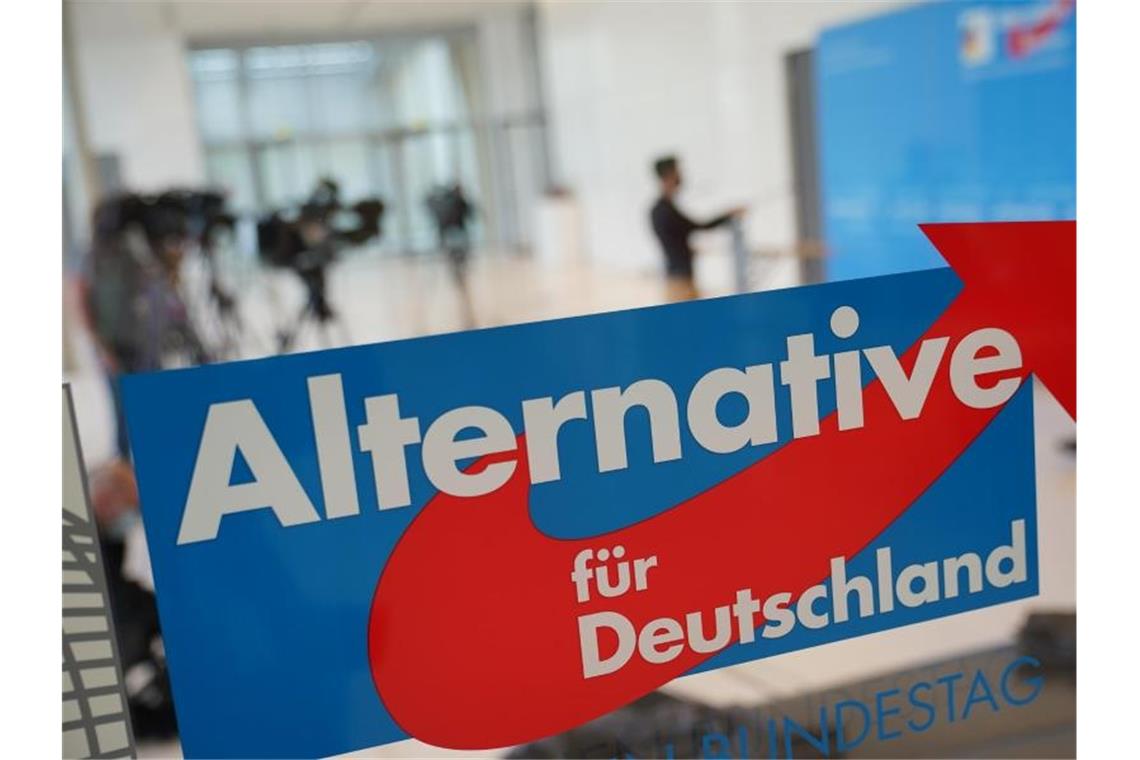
(286, 337)
(329, 321)
(457, 263)
(342, 328)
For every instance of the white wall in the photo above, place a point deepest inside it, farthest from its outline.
(509, 91)
(507, 71)
(626, 82)
(135, 92)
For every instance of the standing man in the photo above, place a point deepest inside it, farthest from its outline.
(673, 229)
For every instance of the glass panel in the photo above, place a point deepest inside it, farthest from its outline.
(206, 65)
(279, 108)
(430, 160)
(289, 172)
(425, 86)
(524, 143)
(219, 110)
(230, 169)
(346, 161)
(218, 93)
(389, 119)
(394, 231)
(343, 88)
(341, 104)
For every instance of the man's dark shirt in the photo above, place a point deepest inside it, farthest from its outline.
(673, 229)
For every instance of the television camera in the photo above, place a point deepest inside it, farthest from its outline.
(139, 242)
(308, 239)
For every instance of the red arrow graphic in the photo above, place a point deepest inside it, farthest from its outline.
(1023, 40)
(475, 609)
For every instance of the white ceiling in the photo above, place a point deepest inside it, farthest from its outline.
(206, 20)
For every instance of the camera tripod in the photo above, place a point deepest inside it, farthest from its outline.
(223, 322)
(317, 311)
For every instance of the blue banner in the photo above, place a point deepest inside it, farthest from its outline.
(951, 112)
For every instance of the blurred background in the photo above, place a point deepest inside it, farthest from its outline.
(243, 179)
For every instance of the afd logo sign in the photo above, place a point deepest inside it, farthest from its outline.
(1015, 31)
(545, 522)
